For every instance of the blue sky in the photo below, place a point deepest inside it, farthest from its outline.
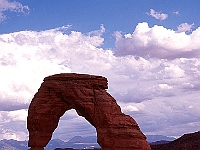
(148, 49)
(86, 16)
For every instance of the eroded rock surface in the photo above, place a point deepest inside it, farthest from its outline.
(190, 141)
(87, 95)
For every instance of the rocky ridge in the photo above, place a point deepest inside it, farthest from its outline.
(189, 141)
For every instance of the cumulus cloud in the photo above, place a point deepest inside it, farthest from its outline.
(185, 27)
(157, 15)
(152, 90)
(158, 42)
(6, 5)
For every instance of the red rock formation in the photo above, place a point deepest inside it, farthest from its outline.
(189, 141)
(87, 95)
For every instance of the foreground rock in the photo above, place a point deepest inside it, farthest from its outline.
(87, 95)
(186, 142)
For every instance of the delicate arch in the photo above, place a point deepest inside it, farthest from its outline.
(87, 95)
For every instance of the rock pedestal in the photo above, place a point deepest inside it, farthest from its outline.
(87, 95)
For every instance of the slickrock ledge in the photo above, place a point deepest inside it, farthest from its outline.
(87, 95)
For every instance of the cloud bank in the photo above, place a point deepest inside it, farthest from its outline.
(153, 74)
(159, 42)
(6, 5)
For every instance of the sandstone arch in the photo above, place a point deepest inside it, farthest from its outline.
(87, 95)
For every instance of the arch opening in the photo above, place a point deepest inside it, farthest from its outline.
(77, 125)
(77, 129)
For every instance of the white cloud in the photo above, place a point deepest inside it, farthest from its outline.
(157, 15)
(165, 86)
(16, 135)
(158, 42)
(6, 5)
(130, 108)
(175, 12)
(98, 32)
(172, 114)
(13, 125)
(12, 134)
(18, 115)
(185, 27)
(152, 90)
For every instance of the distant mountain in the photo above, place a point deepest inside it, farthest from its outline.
(189, 141)
(17, 145)
(76, 142)
(155, 138)
(158, 142)
(55, 143)
(5, 146)
(80, 139)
